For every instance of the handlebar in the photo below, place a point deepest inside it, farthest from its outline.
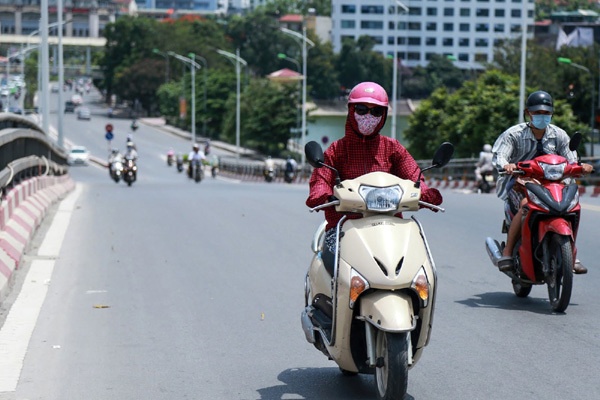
(337, 202)
(432, 206)
(322, 206)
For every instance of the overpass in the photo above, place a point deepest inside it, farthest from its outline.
(53, 40)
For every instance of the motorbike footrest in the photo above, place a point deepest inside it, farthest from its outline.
(321, 320)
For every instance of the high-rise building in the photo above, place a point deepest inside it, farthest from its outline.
(465, 30)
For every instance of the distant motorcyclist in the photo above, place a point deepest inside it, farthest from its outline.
(207, 147)
(134, 125)
(484, 164)
(114, 156)
(290, 169)
(195, 155)
(131, 153)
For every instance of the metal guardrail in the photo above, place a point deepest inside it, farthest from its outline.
(462, 169)
(26, 151)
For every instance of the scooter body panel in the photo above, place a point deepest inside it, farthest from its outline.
(388, 252)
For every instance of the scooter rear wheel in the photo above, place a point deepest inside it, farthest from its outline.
(560, 277)
(391, 373)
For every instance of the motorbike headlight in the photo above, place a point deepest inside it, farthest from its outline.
(574, 202)
(536, 200)
(381, 199)
(358, 284)
(420, 284)
(553, 172)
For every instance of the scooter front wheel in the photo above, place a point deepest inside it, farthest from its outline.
(391, 372)
(560, 277)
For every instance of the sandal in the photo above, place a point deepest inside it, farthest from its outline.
(506, 264)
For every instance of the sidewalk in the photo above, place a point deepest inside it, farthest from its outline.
(230, 148)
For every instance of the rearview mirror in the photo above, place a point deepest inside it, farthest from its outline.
(443, 155)
(575, 141)
(314, 154)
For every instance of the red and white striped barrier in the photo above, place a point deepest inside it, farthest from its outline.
(21, 212)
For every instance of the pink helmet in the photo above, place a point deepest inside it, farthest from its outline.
(368, 92)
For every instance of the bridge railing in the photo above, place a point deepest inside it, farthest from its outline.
(26, 152)
(460, 169)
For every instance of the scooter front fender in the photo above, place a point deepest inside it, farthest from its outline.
(557, 225)
(388, 311)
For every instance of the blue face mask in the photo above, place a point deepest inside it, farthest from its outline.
(541, 121)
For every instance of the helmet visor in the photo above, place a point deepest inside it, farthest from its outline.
(541, 107)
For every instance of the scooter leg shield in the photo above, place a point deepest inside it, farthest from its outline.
(388, 311)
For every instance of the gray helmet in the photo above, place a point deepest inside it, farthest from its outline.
(487, 148)
(540, 100)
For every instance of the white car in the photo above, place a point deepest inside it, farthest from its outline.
(84, 113)
(79, 155)
(77, 99)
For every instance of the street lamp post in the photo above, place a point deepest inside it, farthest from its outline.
(193, 66)
(304, 41)
(568, 61)
(395, 75)
(293, 60)
(205, 64)
(166, 56)
(238, 61)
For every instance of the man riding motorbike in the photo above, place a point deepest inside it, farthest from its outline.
(484, 165)
(523, 142)
(362, 149)
(195, 156)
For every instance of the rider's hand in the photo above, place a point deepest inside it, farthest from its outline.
(510, 168)
(587, 168)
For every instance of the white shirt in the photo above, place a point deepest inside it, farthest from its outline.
(196, 156)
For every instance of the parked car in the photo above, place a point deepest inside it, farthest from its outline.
(84, 113)
(78, 155)
(69, 106)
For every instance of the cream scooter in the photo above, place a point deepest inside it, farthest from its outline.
(372, 313)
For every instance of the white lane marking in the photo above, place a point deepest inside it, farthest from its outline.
(50, 247)
(589, 207)
(22, 317)
(20, 322)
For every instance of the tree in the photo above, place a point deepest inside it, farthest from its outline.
(268, 112)
(544, 72)
(473, 115)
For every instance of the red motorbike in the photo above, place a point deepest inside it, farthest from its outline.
(546, 251)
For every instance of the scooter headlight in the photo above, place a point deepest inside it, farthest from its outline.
(536, 200)
(574, 201)
(420, 284)
(381, 199)
(553, 172)
(358, 284)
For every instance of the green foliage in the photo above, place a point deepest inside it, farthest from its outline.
(268, 111)
(440, 72)
(544, 72)
(472, 116)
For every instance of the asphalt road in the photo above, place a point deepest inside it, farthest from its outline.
(175, 290)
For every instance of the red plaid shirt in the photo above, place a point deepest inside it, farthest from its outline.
(355, 155)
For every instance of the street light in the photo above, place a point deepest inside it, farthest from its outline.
(283, 56)
(568, 61)
(302, 37)
(194, 57)
(238, 61)
(193, 66)
(43, 72)
(395, 74)
(166, 56)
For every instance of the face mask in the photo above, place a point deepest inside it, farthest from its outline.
(367, 123)
(541, 121)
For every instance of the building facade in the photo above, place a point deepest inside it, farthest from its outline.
(87, 18)
(466, 30)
